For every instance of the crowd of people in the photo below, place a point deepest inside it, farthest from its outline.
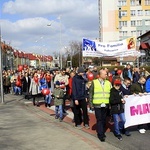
(101, 91)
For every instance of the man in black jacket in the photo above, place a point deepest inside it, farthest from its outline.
(80, 99)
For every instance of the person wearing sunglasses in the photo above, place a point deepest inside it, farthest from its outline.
(117, 108)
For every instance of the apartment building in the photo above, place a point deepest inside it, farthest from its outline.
(119, 19)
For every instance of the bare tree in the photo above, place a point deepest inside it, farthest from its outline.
(76, 53)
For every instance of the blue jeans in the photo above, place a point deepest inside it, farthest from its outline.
(17, 90)
(119, 121)
(59, 109)
(48, 99)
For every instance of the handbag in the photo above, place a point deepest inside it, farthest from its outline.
(28, 96)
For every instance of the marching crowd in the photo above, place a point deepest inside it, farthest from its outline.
(101, 91)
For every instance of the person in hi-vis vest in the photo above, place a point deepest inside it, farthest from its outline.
(99, 101)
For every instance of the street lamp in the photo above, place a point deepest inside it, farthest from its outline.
(60, 55)
(1, 77)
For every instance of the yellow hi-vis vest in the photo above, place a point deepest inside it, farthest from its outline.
(101, 93)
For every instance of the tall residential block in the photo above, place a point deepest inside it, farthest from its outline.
(119, 19)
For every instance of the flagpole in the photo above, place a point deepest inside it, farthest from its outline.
(81, 53)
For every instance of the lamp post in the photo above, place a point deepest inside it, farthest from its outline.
(1, 77)
(60, 55)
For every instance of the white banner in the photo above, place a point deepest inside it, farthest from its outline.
(137, 110)
(125, 47)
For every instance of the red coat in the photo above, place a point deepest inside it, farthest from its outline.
(70, 86)
(18, 82)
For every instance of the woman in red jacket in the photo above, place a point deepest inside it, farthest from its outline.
(72, 74)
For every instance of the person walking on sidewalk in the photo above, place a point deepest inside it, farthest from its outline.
(63, 79)
(35, 89)
(26, 84)
(72, 74)
(117, 108)
(99, 100)
(44, 84)
(58, 95)
(80, 99)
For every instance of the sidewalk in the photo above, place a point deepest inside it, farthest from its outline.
(24, 126)
(69, 117)
(136, 141)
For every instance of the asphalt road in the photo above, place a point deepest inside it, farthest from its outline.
(25, 127)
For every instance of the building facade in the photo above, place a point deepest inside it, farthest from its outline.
(11, 58)
(119, 19)
(145, 48)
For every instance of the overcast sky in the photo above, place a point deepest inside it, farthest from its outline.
(47, 26)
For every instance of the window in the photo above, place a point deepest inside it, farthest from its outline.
(147, 2)
(132, 2)
(123, 33)
(123, 13)
(122, 23)
(133, 23)
(147, 22)
(133, 12)
(133, 33)
(122, 2)
(139, 23)
(139, 32)
(140, 12)
(138, 2)
(147, 12)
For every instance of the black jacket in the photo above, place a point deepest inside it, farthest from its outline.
(26, 84)
(125, 73)
(79, 88)
(125, 91)
(115, 101)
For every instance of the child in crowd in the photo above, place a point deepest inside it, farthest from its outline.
(58, 95)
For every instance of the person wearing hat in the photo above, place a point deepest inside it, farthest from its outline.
(79, 96)
(117, 108)
(63, 79)
(58, 95)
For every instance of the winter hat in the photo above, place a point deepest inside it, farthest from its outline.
(81, 70)
(57, 83)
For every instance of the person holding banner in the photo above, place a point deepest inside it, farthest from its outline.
(139, 88)
(117, 108)
(125, 86)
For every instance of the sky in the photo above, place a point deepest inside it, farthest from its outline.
(47, 26)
